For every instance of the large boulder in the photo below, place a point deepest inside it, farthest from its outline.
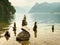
(23, 36)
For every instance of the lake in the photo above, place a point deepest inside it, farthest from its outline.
(44, 35)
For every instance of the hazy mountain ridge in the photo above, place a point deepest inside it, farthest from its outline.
(45, 7)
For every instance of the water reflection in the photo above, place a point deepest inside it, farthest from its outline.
(7, 37)
(1, 36)
(6, 18)
(35, 34)
(25, 43)
(46, 18)
(15, 33)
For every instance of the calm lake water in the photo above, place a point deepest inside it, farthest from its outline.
(44, 23)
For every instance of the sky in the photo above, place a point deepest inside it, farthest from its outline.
(29, 3)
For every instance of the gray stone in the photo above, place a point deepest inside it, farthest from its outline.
(23, 36)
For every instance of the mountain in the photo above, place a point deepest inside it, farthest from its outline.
(45, 7)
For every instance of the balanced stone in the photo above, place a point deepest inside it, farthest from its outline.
(23, 36)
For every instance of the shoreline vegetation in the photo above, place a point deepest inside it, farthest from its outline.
(6, 10)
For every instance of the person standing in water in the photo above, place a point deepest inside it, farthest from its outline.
(35, 29)
(52, 28)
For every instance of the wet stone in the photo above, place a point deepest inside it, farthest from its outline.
(23, 36)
